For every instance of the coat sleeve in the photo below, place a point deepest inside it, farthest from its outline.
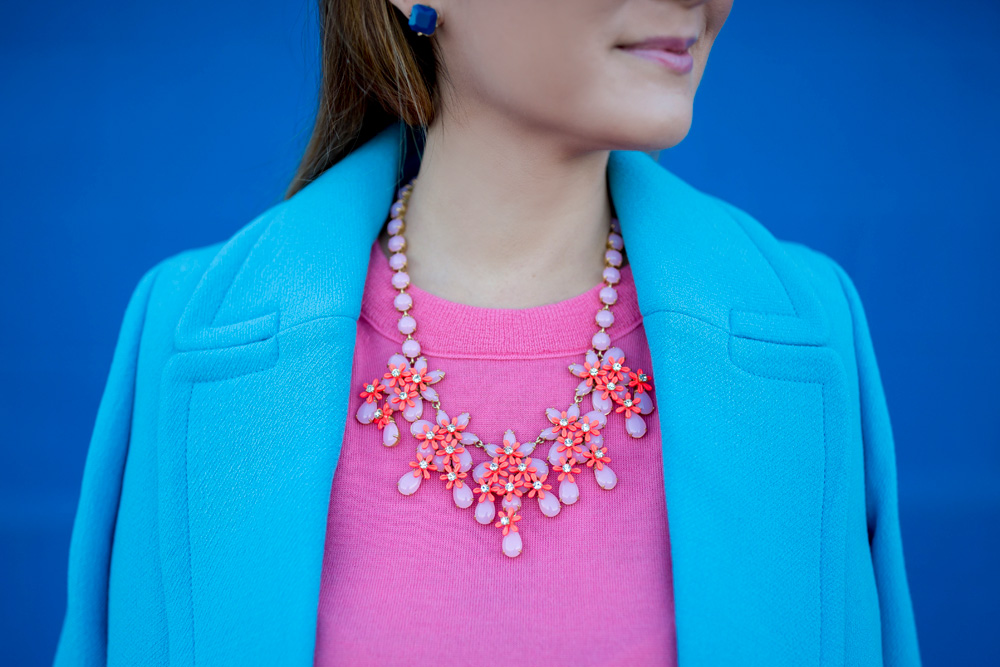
(83, 638)
(899, 634)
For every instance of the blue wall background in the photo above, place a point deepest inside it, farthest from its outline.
(120, 117)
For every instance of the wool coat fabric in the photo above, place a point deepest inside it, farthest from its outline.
(199, 534)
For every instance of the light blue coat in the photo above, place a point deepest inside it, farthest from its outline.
(200, 529)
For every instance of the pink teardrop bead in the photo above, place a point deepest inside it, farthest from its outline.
(465, 461)
(601, 340)
(616, 241)
(613, 256)
(486, 512)
(554, 454)
(366, 412)
(550, 504)
(645, 403)
(608, 294)
(401, 279)
(403, 301)
(407, 325)
(411, 347)
(413, 412)
(541, 468)
(605, 318)
(408, 484)
(390, 434)
(606, 477)
(604, 405)
(611, 274)
(512, 544)
(513, 504)
(397, 261)
(635, 425)
(480, 471)
(397, 242)
(569, 492)
(462, 495)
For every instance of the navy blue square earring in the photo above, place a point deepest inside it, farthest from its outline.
(423, 19)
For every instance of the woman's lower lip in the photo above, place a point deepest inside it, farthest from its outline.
(678, 62)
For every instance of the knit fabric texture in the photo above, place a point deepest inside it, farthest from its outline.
(416, 580)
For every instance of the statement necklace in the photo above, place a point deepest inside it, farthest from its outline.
(511, 472)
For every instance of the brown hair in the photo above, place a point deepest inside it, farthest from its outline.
(375, 71)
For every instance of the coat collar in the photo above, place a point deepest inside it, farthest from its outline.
(726, 311)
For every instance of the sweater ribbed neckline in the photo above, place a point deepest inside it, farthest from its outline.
(451, 329)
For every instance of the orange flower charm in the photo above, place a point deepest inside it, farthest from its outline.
(523, 469)
(608, 387)
(570, 445)
(627, 404)
(564, 423)
(538, 485)
(454, 476)
(404, 397)
(373, 391)
(427, 434)
(597, 456)
(449, 451)
(487, 489)
(451, 429)
(496, 470)
(512, 487)
(507, 520)
(383, 415)
(398, 375)
(639, 381)
(614, 368)
(589, 427)
(423, 465)
(566, 469)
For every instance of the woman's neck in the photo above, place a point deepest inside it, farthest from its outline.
(509, 224)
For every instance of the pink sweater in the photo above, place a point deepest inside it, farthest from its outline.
(414, 580)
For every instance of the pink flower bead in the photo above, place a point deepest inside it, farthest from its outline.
(613, 256)
(604, 318)
(397, 261)
(401, 279)
(397, 242)
(411, 348)
(616, 241)
(608, 295)
(403, 301)
(612, 275)
(395, 225)
(601, 341)
(407, 325)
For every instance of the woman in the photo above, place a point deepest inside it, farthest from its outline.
(440, 420)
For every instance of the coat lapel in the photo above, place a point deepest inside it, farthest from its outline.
(254, 402)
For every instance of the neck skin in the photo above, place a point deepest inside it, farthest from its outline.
(505, 220)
